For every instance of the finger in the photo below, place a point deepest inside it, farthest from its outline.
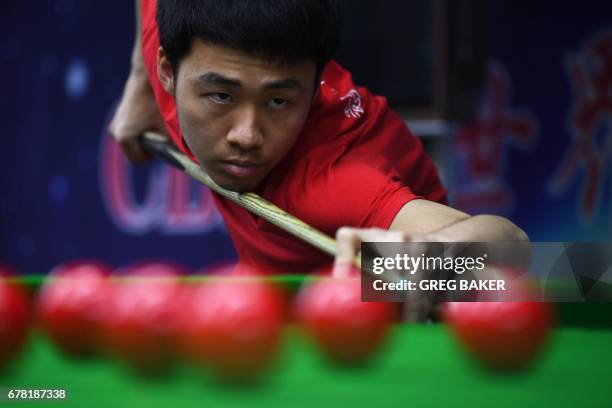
(134, 151)
(380, 235)
(348, 244)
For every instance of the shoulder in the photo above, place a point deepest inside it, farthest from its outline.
(350, 191)
(356, 162)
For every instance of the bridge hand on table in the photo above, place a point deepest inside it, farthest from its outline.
(348, 241)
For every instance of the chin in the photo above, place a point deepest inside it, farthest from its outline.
(239, 186)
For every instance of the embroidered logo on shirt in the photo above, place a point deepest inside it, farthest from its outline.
(353, 108)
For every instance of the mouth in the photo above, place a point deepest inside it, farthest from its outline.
(240, 169)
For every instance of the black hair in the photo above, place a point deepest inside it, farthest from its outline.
(280, 31)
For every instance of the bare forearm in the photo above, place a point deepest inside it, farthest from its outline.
(137, 64)
(137, 111)
(137, 88)
(137, 85)
(482, 228)
(507, 243)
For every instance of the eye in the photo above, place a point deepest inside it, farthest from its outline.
(220, 97)
(277, 103)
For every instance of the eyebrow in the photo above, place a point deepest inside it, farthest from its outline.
(220, 79)
(215, 78)
(289, 83)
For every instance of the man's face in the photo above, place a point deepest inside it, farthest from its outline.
(239, 114)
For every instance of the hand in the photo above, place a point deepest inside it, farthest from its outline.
(417, 305)
(348, 243)
(137, 113)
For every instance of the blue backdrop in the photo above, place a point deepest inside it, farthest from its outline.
(63, 66)
(546, 117)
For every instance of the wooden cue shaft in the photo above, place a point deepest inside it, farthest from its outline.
(160, 146)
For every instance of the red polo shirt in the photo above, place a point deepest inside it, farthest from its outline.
(354, 164)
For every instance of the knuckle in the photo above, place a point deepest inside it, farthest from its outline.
(116, 134)
(345, 233)
(123, 137)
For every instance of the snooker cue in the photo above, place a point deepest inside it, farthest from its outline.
(161, 147)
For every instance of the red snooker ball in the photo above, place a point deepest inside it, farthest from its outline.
(70, 305)
(14, 317)
(346, 329)
(233, 326)
(504, 336)
(506, 330)
(140, 324)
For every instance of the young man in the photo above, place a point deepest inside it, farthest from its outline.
(247, 89)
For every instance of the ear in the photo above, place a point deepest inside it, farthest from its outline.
(165, 73)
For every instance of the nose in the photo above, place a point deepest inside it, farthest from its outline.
(245, 133)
